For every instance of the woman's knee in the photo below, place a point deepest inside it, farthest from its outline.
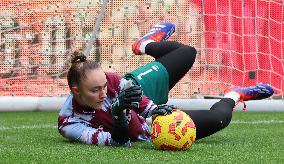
(192, 51)
(189, 52)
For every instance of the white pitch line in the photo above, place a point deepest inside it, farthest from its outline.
(53, 126)
(27, 127)
(258, 122)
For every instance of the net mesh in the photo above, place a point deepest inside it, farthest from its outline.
(238, 42)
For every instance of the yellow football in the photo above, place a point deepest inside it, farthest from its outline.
(175, 131)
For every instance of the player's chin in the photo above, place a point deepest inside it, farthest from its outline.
(98, 105)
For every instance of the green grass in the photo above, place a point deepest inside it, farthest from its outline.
(32, 137)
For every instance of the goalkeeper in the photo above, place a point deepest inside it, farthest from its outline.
(105, 109)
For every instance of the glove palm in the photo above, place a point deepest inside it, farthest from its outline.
(128, 98)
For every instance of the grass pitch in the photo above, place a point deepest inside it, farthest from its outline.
(32, 137)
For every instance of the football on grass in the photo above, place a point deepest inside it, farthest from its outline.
(175, 131)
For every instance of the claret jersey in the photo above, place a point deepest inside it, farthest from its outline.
(95, 127)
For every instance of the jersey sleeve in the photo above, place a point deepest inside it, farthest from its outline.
(74, 128)
(78, 131)
(145, 106)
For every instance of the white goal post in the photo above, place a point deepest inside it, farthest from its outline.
(16, 104)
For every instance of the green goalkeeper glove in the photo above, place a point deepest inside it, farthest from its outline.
(128, 98)
(162, 110)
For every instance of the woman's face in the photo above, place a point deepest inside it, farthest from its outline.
(92, 89)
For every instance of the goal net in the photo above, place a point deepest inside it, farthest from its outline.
(239, 42)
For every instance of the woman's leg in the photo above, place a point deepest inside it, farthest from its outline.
(159, 49)
(174, 56)
(208, 122)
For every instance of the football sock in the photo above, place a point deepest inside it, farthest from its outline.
(144, 44)
(233, 95)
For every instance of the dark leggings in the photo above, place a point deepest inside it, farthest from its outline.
(208, 122)
(175, 57)
(178, 59)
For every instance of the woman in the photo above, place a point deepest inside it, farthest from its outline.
(106, 109)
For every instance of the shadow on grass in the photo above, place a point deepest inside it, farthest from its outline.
(144, 145)
(205, 142)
